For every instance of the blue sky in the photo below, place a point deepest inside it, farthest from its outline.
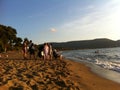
(62, 20)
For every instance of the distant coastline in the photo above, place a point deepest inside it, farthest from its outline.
(86, 44)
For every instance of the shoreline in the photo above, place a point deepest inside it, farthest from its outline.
(105, 73)
(91, 79)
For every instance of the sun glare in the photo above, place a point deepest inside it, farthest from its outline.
(109, 24)
(114, 20)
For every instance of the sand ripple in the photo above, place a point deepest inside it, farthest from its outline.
(35, 75)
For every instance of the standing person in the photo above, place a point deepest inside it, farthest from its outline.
(46, 51)
(24, 49)
(40, 52)
(50, 51)
(31, 49)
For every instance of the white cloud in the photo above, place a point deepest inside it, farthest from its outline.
(53, 30)
(90, 7)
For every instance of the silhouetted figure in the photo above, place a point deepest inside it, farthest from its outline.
(31, 49)
(40, 52)
(56, 54)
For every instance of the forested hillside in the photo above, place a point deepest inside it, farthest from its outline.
(86, 44)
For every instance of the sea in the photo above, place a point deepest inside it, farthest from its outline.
(104, 62)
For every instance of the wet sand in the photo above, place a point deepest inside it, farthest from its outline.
(19, 74)
(89, 80)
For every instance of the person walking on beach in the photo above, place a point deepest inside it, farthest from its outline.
(40, 52)
(24, 49)
(50, 51)
(46, 51)
(31, 49)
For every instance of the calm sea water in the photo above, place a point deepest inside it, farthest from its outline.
(108, 58)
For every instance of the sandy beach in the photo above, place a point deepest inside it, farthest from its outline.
(19, 74)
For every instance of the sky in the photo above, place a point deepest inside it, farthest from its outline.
(62, 20)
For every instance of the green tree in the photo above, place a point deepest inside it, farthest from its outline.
(8, 37)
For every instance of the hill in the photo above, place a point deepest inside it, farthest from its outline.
(87, 44)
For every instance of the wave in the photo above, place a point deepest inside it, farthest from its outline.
(108, 58)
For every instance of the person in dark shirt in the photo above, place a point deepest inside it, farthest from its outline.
(31, 49)
(56, 54)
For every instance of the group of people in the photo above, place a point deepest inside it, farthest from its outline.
(45, 51)
(28, 47)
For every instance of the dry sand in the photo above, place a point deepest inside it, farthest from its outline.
(19, 74)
